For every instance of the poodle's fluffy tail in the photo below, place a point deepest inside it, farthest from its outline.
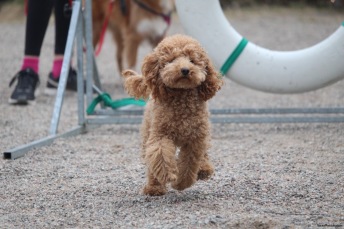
(135, 85)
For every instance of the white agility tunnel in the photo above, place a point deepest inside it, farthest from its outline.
(257, 67)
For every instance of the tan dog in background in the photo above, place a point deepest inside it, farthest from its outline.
(178, 78)
(131, 22)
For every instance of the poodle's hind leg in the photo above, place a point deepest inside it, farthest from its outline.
(160, 159)
(153, 186)
(206, 168)
(189, 161)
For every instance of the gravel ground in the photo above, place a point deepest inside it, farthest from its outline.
(267, 175)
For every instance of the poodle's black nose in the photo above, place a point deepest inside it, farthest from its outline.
(185, 71)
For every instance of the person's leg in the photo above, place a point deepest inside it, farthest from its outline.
(62, 22)
(61, 33)
(38, 15)
(39, 12)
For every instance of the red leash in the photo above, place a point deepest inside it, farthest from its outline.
(106, 22)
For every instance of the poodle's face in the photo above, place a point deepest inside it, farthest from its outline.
(182, 67)
(179, 62)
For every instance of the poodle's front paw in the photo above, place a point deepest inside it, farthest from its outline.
(154, 190)
(206, 171)
(204, 174)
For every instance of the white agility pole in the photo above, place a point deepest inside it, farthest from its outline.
(257, 67)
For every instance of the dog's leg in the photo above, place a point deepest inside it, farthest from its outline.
(131, 47)
(189, 161)
(117, 36)
(98, 18)
(160, 159)
(146, 125)
(96, 34)
(206, 168)
(153, 186)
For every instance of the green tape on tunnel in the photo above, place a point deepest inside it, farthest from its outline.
(233, 56)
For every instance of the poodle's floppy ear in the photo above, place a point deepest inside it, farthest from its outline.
(135, 85)
(150, 71)
(212, 83)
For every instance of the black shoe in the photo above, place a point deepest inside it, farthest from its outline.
(53, 83)
(24, 92)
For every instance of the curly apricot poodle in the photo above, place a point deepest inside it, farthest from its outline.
(177, 79)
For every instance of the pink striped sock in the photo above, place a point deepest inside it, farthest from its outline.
(30, 62)
(57, 66)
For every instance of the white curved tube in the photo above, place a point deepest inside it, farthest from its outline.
(259, 68)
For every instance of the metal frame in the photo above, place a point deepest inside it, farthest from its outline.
(81, 30)
(78, 30)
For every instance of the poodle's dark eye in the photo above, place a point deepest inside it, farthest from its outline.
(192, 61)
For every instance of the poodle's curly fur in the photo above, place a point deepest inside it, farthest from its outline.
(177, 78)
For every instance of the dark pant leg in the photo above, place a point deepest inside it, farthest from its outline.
(38, 15)
(61, 26)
